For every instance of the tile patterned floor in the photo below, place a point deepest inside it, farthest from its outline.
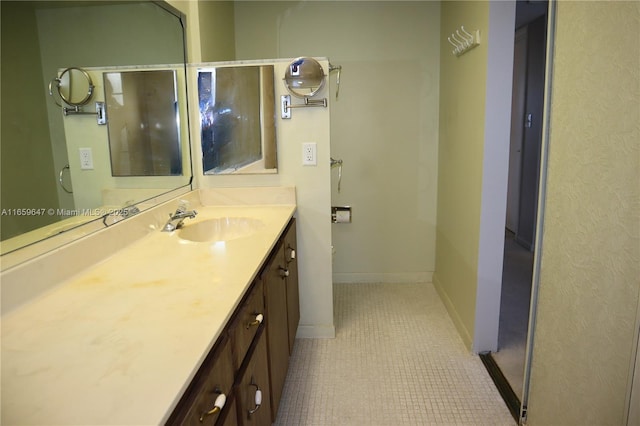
(397, 359)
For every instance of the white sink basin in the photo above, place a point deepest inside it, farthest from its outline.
(220, 229)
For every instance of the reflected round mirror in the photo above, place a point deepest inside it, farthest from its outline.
(75, 86)
(304, 77)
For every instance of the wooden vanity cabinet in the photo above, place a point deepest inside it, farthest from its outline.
(252, 353)
(220, 369)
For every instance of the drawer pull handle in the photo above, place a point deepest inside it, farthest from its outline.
(217, 406)
(292, 254)
(257, 321)
(258, 399)
(284, 272)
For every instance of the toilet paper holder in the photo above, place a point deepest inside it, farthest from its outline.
(340, 214)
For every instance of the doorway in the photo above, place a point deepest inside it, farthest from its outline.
(507, 365)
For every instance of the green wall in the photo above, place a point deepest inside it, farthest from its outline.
(460, 160)
(28, 175)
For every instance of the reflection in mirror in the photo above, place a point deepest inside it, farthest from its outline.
(74, 86)
(144, 138)
(237, 119)
(35, 140)
(304, 77)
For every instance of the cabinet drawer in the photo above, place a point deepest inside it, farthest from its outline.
(214, 378)
(246, 323)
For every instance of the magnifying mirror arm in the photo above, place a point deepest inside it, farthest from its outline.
(285, 104)
(311, 103)
(76, 110)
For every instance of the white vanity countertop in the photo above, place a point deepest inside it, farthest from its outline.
(118, 343)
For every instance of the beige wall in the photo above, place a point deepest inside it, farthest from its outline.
(210, 29)
(462, 115)
(590, 277)
(384, 125)
(216, 30)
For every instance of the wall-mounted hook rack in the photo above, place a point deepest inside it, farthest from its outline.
(464, 41)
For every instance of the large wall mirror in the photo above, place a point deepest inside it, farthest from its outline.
(44, 188)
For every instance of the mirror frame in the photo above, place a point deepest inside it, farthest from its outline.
(21, 253)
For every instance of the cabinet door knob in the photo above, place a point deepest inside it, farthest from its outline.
(257, 400)
(218, 405)
(284, 272)
(257, 321)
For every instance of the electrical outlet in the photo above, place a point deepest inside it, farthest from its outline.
(86, 159)
(309, 154)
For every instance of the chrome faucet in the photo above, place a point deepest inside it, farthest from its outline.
(176, 219)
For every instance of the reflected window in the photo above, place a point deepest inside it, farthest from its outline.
(231, 102)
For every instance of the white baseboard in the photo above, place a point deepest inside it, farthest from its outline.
(316, 332)
(394, 277)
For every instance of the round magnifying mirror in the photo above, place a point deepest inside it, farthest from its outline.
(304, 77)
(75, 86)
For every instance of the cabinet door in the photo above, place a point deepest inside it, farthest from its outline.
(252, 390)
(293, 298)
(277, 324)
